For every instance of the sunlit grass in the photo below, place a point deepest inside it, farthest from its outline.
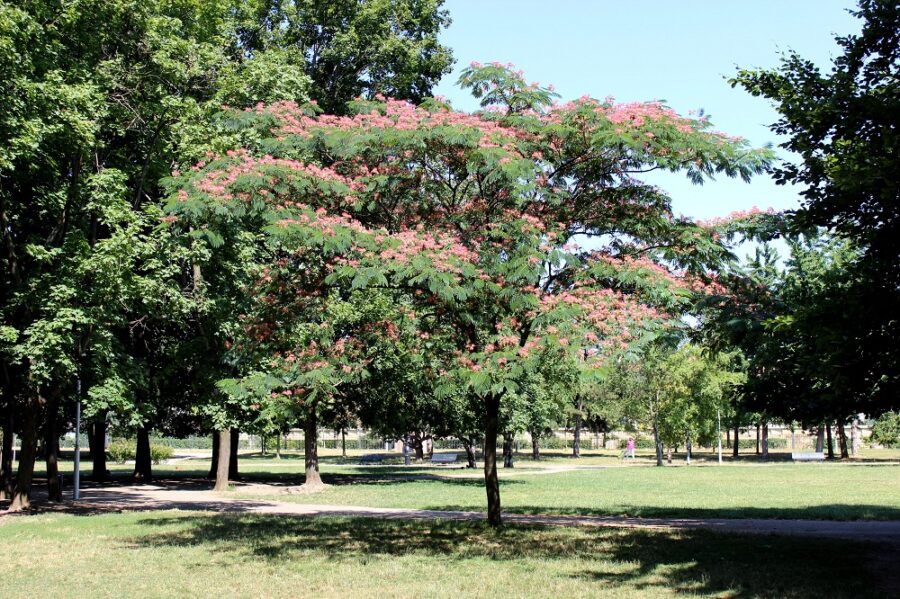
(174, 554)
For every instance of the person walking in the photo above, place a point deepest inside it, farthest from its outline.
(629, 448)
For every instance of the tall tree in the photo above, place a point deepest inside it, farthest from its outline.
(471, 217)
(843, 125)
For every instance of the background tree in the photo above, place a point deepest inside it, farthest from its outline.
(843, 127)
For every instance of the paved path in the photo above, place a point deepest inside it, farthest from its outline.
(197, 496)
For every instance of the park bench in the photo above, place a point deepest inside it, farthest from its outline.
(372, 458)
(443, 458)
(808, 456)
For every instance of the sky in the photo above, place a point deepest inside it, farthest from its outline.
(677, 51)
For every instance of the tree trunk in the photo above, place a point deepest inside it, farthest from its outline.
(658, 443)
(223, 438)
(535, 446)
(765, 440)
(343, 443)
(262, 445)
(214, 464)
(418, 446)
(842, 440)
(21, 498)
(470, 453)
(143, 466)
(97, 443)
(728, 438)
(507, 450)
(51, 443)
(576, 442)
(233, 455)
(311, 450)
(737, 436)
(687, 446)
(829, 441)
(757, 439)
(491, 483)
(6, 461)
(820, 439)
(855, 438)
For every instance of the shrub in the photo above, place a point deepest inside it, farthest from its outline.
(121, 451)
(159, 453)
(751, 444)
(886, 430)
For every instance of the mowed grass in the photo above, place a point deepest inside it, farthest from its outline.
(814, 491)
(176, 554)
(750, 489)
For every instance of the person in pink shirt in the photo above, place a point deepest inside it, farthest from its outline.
(629, 449)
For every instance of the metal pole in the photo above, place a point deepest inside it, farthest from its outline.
(76, 492)
(719, 431)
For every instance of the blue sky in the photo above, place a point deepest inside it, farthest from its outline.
(678, 51)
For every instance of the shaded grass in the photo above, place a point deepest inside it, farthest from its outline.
(172, 554)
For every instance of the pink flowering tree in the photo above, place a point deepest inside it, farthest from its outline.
(521, 228)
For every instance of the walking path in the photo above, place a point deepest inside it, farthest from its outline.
(196, 496)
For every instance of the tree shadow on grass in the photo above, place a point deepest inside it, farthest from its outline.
(685, 561)
(837, 512)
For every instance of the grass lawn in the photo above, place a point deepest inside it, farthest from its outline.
(748, 489)
(817, 491)
(176, 554)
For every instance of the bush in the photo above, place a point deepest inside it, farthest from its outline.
(886, 430)
(751, 444)
(159, 453)
(121, 451)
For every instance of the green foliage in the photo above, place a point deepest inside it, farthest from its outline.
(160, 453)
(886, 430)
(842, 125)
(121, 450)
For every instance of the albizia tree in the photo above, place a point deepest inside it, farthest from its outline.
(472, 222)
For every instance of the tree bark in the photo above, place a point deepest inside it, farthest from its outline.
(97, 443)
(820, 439)
(855, 438)
(343, 443)
(728, 438)
(491, 482)
(765, 440)
(278, 445)
(829, 441)
(418, 442)
(6, 462)
(21, 497)
(757, 439)
(214, 464)
(233, 455)
(842, 441)
(311, 450)
(658, 443)
(143, 465)
(535, 446)
(737, 436)
(507, 450)
(687, 446)
(470, 453)
(576, 442)
(222, 465)
(51, 444)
